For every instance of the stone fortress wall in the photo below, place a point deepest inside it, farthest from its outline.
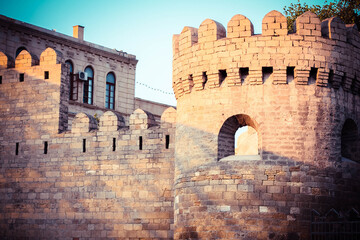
(299, 91)
(101, 179)
(180, 178)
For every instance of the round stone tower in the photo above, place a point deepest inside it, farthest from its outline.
(300, 92)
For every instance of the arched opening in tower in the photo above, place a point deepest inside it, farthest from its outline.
(350, 144)
(238, 136)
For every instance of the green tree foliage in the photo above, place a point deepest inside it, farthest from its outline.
(347, 10)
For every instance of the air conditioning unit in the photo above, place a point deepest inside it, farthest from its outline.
(83, 76)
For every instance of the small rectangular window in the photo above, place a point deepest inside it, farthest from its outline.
(46, 75)
(45, 147)
(167, 141)
(140, 143)
(17, 149)
(222, 76)
(313, 76)
(0, 79)
(354, 84)
(204, 78)
(191, 81)
(244, 73)
(84, 145)
(114, 144)
(290, 74)
(266, 72)
(21, 77)
(343, 80)
(331, 78)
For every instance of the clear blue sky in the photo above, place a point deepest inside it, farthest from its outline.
(140, 27)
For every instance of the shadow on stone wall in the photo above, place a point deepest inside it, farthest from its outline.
(272, 198)
(130, 193)
(68, 193)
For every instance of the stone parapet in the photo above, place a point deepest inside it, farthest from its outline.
(325, 47)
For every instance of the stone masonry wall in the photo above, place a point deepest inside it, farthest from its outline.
(103, 179)
(135, 179)
(32, 105)
(297, 91)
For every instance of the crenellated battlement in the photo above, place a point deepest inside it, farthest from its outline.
(32, 68)
(91, 136)
(112, 122)
(37, 86)
(25, 59)
(324, 54)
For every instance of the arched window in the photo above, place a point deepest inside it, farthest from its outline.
(110, 91)
(74, 85)
(350, 144)
(88, 86)
(18, 51)
(239, 130)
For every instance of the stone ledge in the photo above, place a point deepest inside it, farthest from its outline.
(241, 158)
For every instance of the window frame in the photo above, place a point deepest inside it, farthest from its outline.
(87, 85)
(74, 83)
(108, 92)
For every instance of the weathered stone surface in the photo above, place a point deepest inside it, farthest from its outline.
(133, 177)
(299, 93)
(91, 181)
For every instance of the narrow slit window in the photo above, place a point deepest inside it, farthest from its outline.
(290, 75)
(46, 75)
(244, 73)
(350, 141)
(191, 81)
(167, 141)
(0, 79)
(331, 78)
(45, 147)
(84, 145)
(21, 77)
(313, 76)
(222, 76)
(114, 144)
(343, 80)
(140, 143)
(266, 74)
(17, 149)
(353, 84)
(204, 78)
